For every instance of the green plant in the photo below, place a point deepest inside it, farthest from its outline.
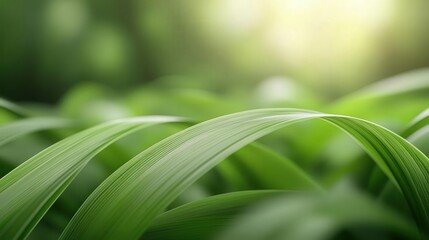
(261, 191)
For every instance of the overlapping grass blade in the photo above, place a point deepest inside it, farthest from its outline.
(28, 191)
(15, 129)
(249, 166)
(418, 123)
(415, 80)
(407, 92)
(415, 132)
(414, 128)
(262, 214)
(201, 219)
(13, 107)
(378, 180)
(310, 216)
(126, 203)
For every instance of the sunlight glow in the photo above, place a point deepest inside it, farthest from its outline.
(308, 34)
(323, 30)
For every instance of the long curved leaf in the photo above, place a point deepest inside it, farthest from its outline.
(126, 203)
(206, 215)
(251, 164)
(418, 123)
(378, 179)
(15, 129)
(415, 80)
(27, 192)
(309, 216)
(13, 107)
(261, 214)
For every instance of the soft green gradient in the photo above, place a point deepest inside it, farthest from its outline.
(332, 47)
(79, 78)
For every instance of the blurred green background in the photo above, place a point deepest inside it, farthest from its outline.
(93, 61)
(332, 47)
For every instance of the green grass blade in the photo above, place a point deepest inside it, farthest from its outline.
(416, 126)
(309, 216)
(27, 192)
(19, 128)
(12, 107)
(407, 92)
(207, 216)
(407, 166)
(415, 132)
(418, 123)
(126, 203)
(251, 165)
(415, 80)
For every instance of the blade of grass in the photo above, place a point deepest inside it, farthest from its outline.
(22, 127)
(252, 163)
(407, 91)
(202, 218)
(12, 107)
(415, 131)
(126, 203)
(418, 123)
(309, 216)
(415, 80)
(378, 181)
(27, 192)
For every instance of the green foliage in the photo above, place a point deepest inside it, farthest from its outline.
(28, 191)
(242, 175)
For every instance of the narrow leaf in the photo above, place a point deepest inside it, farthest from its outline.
(27, 192)
(418, 123)
(201, 219)
(22, 127)
(252, 163)
(310, 216)
(126, 203)
(13, 107)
